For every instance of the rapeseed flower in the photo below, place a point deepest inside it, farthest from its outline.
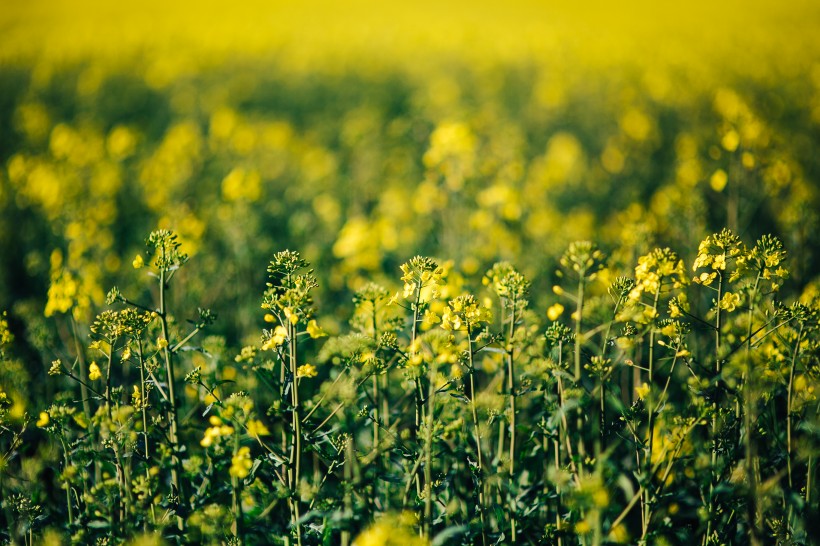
(241, 463)
(306, 370)
(44, 420)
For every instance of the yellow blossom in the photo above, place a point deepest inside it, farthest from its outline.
(44, 419)
(292, 317)
(257, 428)
(642, 391)
(729, 302)
(555, 311)
(94, 372)
(306, 370)
(280, 334)
(138, 262)
(136, 397)
(583, 527)
(241, 463)
(215, 432)
(162, 343)
(314, 330)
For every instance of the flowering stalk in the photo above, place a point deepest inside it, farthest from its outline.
(511, 391)
(789, 400)
(143, 406)
(651, 415)
(428, 449)
(476, 434)
(173, 432)
(753, 509)
(296, 423)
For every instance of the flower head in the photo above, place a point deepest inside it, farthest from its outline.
(306, 370)
(241, 463)
(94, 372)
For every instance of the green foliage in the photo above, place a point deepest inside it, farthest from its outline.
(678, 421)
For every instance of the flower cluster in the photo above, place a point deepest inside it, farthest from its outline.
(421, 277)
(464, 312)
(715, 253)
(214, 434)
(659, 267)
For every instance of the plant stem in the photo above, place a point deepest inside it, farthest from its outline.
(651, 411)
(753, 510)
(144, 411)
(789, 397)
(173, 434)
(579, 312)
(296, 424)
(562, 432)
(713, 466)
(416, 379)
(511, 390)
(428, 449)
(477, 434)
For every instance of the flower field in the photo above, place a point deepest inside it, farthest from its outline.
(371, 275)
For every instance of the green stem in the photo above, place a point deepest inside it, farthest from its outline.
(713, 466)
(417, 392)
(173, 432)
(789, 397)
(511, 390)
(651, 411)
(348, 479)
(296, 423)
(477, 434)
(428, 450)
(377, 417)
(144, 411)
(562, 432)
(753, 510)
(579, 312)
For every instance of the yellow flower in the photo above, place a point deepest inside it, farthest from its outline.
(215, 432)
(280, 334)
(555, 311)
(138, 262)
(705, 278)
(619, 534)
(94, 372)
(241, 463)
(314, 330)
(729, 302)
(44, 419)
(136, 397)
(162, 343)
(290, 315)
(306, 370)
(642, 391)
(257, 428)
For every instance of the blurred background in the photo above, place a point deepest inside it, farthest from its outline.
(362, 133)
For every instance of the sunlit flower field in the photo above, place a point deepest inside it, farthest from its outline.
(370, 274)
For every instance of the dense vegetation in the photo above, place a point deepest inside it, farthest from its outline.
(215, 328)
